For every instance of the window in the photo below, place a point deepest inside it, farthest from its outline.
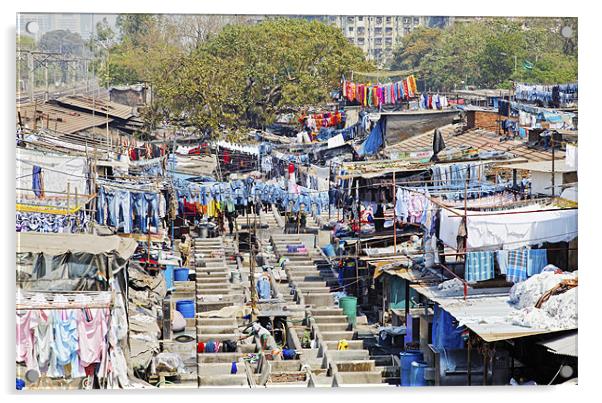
(389, 31)
(406, 30)
(350, 20)
(388, 20)
(360, 30)
(378, 41)
(350, 39)
(378, 31)
(406, 20)
(350, 29)
(360, 18)
(360, 41)
(416, 20)
(379, 20)
(388, 41)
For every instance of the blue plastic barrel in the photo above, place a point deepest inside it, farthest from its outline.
(406, 359)
(417, 373)
(181, 274)
(186, 308)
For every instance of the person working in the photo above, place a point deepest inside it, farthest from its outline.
(184, 249)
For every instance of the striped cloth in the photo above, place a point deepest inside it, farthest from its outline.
(536, 261)
(517, 265)
(479, 266)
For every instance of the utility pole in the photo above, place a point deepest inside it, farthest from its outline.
(30, 75)
(47, 93)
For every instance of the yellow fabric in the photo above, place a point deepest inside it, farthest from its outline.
(343, 345)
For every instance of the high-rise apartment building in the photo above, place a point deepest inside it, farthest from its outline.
(377, 35)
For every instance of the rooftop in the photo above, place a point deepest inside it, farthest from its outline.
(481, 139)
(58, 118)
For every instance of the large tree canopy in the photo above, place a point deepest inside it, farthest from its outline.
(246, 73)
(490, 53)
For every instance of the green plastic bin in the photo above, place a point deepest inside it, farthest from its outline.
(349, 306)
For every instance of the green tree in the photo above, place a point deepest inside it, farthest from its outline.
(414, 47)
(242, 76)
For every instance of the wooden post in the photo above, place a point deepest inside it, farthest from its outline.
(469, 360)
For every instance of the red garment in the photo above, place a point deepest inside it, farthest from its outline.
(406, 93)
(291, 168)
(430, 105)
(200, 347)
(226, 157)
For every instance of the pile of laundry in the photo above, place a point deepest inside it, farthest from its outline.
(547, 300)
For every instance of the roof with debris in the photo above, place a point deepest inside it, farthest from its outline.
(99, 106)
(57, 118)
(484, 311)
(481, 139)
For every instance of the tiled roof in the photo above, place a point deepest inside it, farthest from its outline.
(482, 139)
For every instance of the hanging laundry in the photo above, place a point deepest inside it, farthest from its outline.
(517, 265)
(479, 266)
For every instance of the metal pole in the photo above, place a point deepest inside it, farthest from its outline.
(359, 235)
(394, 215)
(553, 167)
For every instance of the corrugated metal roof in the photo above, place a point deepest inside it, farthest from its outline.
(482, 139)
(57, 118)
(563, 345)
(542, 166)
(99, 106)
(484, 312)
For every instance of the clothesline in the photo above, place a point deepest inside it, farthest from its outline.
(51, 169)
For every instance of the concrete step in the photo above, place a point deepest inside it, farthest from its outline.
(330, 319)
(204, 329)
(203, 358)
(212, 306)
(336, 336)
(216, 322)
(333, 327)
(319, 300)
(216, 368)
(224, 380)
(360, 378)
(326, 312)
(352, 345)
(347, 355)
(356, 366)
(205, 337)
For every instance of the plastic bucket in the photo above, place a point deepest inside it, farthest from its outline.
(329, 250)
(186, 308)
(349, 306)
(417, 373)
(406, 358)
(181, 274)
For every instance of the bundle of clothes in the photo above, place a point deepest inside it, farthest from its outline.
(431, 101)
(315, 121)
(380, 94)
(548, 95)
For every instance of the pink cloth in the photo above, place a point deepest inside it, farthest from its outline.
(25, 326)
(92, 336)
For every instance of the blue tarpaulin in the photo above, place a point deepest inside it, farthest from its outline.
(375, 139)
